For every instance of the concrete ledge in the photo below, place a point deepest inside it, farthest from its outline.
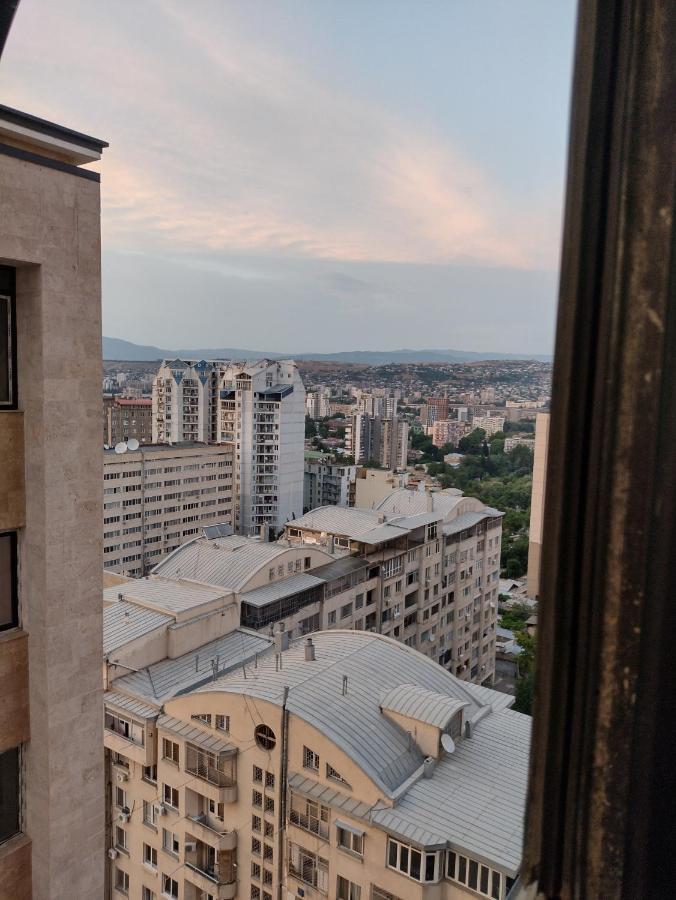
(15, 868)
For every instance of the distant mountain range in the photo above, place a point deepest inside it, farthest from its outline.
(116, 349)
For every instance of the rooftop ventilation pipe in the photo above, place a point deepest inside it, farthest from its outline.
(281, 638)
(428, 766)
(309, 650)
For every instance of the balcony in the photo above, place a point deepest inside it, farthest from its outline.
(216, 771)
(211, 871)
(309, 823)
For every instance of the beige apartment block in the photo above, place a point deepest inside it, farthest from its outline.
(373, 485)
(155, 498)
(51, 768)
(127, 418)
(343, 765)
(537, 503)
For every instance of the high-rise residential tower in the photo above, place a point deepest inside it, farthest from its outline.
(51, 766)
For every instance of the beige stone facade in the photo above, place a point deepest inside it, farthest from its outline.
(537, 504)
(157, 497)
(50, 506)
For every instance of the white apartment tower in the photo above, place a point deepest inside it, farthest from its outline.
(183, 392)
(261, 408)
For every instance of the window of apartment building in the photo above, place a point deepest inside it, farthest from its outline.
(268, 829)
(147, 894)
(202, 717)
(331, 618)
(255, 892)
(9, 602)
(256, 823)
(120, 838)
(256, 846)
(121, 881)
(335, 775)
(309, 815)
(265, 737)
(257, 799)
(349, 838)
(170, 751)
(347, 890)
(170, 795)
(150, 856)
(359, 601)
(269, 780)
(309, 868)
(120, 797)
(170, 842)
(412, 862)
(378, 893)
(269, 805)
(10, 793)
(169, 887)
(346, 611)
(268, 852)
(310, 759)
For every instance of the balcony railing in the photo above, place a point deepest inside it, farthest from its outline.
(309, 823)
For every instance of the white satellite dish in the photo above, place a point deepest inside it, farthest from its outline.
(447, 743)
(121, 447)
(132, 444)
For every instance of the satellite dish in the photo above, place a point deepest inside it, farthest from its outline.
(121, 447)
(132, 444)
(447, 743)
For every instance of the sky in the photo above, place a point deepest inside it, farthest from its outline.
(321, 175)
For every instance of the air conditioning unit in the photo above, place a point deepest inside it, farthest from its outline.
(122, 776)
(190, 846)
(123, 817)
(159, 809)
(113, 853)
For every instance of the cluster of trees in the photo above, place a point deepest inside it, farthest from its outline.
(498, 479)
(515, 620)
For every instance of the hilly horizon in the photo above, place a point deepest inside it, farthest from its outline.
(121, 350)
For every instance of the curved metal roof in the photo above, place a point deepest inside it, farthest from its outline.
(418, 703)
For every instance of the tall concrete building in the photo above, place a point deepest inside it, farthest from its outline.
(372, 438)
(157, 497)
(448, 431)
(327, 483)
(126, 418)
(537, 503)
(317, 404)
(51, 767)
(185, 401)
(490, 424)
(262, 411)
(259, 407)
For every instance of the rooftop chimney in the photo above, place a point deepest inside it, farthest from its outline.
(309, 650)
(428, 766)
(281, 638)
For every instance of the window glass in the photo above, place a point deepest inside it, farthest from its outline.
(415, 864)
(393, 854)
(7, 344)
(9, 793)
(473, 874)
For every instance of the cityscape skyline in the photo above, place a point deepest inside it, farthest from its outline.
(342, 187)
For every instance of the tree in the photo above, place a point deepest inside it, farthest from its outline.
(525, 685)
(472, 442)
(513, 567)
(371, 464)
(309, 427)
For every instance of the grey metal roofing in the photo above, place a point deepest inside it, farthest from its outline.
(130, 705)
(277, 590)
(340, 567)
(125, 622)
(387, 532)
(423, 705)
(372, 664)
(228, 562)
(475, 800)
(339, 520)
(466, 520)
(218, 530)
(167, 594)
(195, 735)
(407, 502)
(336, 799)
(171, 677)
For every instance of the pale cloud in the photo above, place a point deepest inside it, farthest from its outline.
(222, 144)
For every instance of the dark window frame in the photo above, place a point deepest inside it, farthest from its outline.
(16, 751)
(8, 290)
(14, 565)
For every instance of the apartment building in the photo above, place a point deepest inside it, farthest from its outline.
(342, 765)
(327, 483)
(317, 404)
(384, 441)
(373, 485)
(520, 441)
(157, 497)
(257, 406)
(448, 431)
(435, 409)
(490, 424)
(422, 568)
(51, 805)
(127, 418)
(262, 411)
